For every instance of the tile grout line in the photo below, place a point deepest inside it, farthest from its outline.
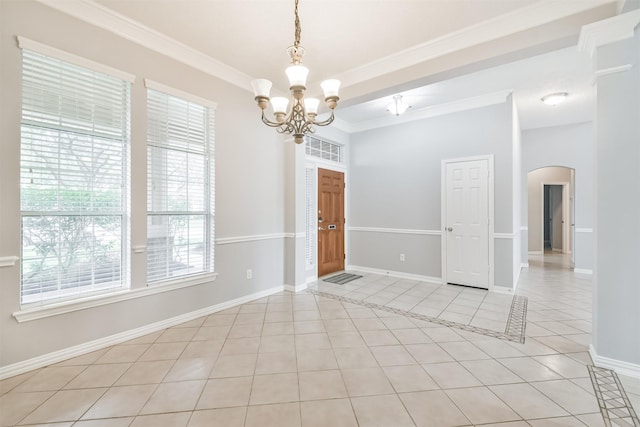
(495, 334)
(516, 321)
(613, 402)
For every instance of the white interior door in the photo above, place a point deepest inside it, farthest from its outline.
(467, 223)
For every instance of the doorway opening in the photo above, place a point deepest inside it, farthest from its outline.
(551, 211)
(553, 220)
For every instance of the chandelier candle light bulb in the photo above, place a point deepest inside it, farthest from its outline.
(302, 117)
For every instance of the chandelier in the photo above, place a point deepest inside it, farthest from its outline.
(301, 119)
(398, 107)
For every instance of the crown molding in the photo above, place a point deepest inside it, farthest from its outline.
(608, 31)
(432, 111)
(523, 19)
(107, 19)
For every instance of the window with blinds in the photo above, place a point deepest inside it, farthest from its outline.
(323, 150)
(180, 187)
(311, 216)
(74, 165)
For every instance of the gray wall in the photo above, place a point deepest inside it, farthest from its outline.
(569, 146)
(617, 289)
(250, 182)
(395, 184)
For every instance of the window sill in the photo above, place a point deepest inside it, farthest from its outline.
(40, 312)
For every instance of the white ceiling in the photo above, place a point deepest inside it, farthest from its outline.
(379, 47)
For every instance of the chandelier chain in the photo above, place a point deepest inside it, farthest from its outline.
(297, 23)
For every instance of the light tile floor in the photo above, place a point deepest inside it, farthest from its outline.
(304, 360)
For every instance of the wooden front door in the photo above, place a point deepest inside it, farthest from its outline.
(330, 221)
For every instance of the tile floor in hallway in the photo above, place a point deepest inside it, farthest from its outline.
(303, 360)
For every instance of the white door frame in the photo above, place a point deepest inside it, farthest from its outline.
(566, 214)
(443, 213)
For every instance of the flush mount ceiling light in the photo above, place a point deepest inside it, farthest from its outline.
(397, 107)
(302, 117)
(554, 99)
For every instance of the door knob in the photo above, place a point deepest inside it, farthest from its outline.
(449, 229)
(321, 228)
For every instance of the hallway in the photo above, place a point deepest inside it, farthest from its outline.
(304, 360)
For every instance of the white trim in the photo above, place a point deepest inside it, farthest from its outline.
(505, 235)
(296, 288)
(107, 19)
(583, 270)
(502, 290)
(620, 366)
(607, 31)
(475, 102)
(524, 228)
(150, 84)
(25, 43)
(78, 350)
(490, 217)
(535, 252)
(55, 309)
(620, 6)
(8, 261)
(540, 13)
(255, 238)
(398, 274)
(613, 70)
(524, 265)
(396, 231)
(583, 230)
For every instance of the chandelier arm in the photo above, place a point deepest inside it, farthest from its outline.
(325, 122)
(269, 122)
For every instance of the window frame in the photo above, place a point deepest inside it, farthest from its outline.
(208, 272)
(34, 124)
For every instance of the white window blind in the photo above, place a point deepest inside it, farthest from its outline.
(323, 150)
(180, 199)
(311, 216)
(74, 166)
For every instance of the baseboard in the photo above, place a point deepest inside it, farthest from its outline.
(583, 270)
(88, 347)
(621, 367)
(296, 288)
(535, 252)
(398, 274)
(502, 290)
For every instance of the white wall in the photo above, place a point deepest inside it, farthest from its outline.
(616, 321)
(395, 185)
(250, 182)
(569, 146)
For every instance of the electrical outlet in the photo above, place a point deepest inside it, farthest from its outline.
(249, 274)
(402, 257)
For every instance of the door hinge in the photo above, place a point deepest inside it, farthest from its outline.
(344, 256)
